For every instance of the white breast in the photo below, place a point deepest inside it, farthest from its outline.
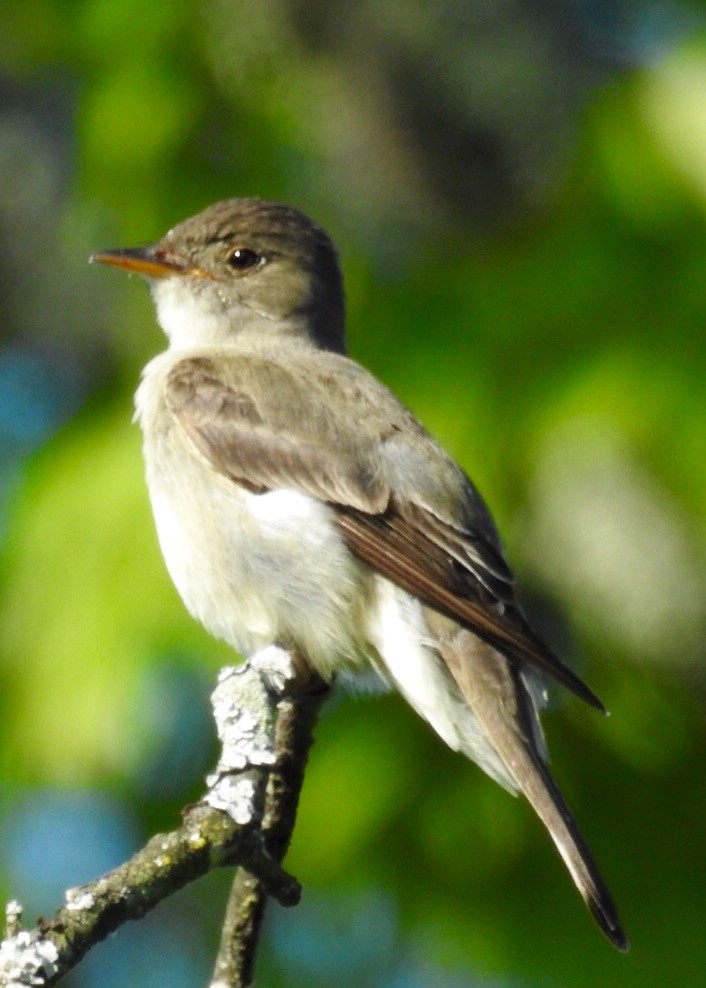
(253, 568)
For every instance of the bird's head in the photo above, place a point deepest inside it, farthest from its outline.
(242, 266)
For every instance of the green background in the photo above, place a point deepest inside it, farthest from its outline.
(518, 192)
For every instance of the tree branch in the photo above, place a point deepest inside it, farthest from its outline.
(297, 714)
(265, 711)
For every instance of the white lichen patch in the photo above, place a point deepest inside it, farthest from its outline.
(76, 900)
(243, 713)
(13, 918)
(26, 960)
(234, 796)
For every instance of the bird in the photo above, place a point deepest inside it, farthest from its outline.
(299, 502)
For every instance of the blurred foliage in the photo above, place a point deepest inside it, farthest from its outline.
(519, 194)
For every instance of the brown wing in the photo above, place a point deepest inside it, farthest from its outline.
(252, 423)
(412, 558)
(254, 420)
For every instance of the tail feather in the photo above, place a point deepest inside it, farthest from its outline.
(546, 799)
(503, 703)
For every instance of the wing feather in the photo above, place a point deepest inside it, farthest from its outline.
(266, 428)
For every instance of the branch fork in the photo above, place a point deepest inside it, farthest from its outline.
(264, 712)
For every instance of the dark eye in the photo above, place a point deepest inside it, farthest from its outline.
(243, 259)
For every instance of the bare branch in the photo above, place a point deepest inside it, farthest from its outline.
(265, 711)
(297, 713)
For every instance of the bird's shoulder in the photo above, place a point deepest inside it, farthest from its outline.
(314, 399)
(288, 387)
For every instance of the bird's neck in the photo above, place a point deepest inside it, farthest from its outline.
(191, 320)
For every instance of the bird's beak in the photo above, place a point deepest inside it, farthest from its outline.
(146, 261)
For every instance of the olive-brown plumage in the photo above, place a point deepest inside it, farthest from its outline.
(298, 501)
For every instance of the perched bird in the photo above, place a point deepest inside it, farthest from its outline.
(298, 502)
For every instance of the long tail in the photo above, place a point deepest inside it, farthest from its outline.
(501, 700)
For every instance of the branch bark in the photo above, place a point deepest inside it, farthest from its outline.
(265, 711)
(297, 714)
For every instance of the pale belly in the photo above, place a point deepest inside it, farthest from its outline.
(261, 568)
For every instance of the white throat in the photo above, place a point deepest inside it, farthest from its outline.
(189, 318)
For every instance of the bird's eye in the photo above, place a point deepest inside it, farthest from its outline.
(243, 259)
